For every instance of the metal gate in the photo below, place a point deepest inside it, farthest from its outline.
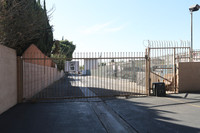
(86, 75)
(163, 59)
(91, 75)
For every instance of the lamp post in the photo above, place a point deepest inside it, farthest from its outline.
(192, 9)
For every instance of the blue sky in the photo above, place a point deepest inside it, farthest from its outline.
(122, 25)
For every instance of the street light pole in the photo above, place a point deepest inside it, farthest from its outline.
(192, 9)
(191, 50)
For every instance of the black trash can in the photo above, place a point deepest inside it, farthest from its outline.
(159, 89)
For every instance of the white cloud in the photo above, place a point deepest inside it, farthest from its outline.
(115, 29)
(102, 28)
(96, 28)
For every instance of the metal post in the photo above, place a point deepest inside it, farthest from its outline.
(146, 58)
(175, 70)
(147, 71)
(191, 50)
(149, 68)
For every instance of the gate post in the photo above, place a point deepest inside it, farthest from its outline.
(175, 78)
(147, 53)
(19, 79)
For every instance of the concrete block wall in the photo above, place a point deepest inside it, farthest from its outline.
(37, 77)
(8, 78)
(38, 71)
(189, 77)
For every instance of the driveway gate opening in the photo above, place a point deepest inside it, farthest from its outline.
(164, 57)
(86, 75)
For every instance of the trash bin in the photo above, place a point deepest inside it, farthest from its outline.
(159, 89)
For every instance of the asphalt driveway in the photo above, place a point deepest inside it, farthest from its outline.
(175, 113)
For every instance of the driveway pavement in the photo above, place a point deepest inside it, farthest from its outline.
(70, 117)
(175, 113)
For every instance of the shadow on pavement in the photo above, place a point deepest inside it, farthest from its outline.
(146, 117)
(145, 114)
(60, 89)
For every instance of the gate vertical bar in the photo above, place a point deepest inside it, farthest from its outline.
(19, 79)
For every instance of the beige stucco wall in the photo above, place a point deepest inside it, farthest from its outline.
(8, 78)
(37, 77)
(189, 77)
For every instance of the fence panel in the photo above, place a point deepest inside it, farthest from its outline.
(164, 58)
(86, 75)
(196, 55)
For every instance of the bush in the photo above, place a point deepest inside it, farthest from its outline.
(24, 22)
